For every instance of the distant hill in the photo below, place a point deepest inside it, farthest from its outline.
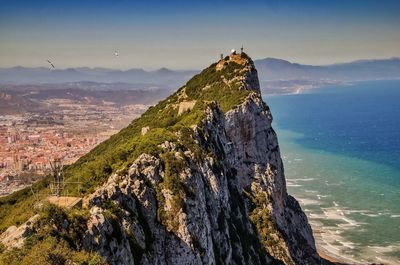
(163, 76)
(22, 98)
(276, 76)
(12, 104)
(271, 69)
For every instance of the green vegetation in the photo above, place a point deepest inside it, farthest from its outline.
(57, 240)
(19, 206)
(270, 237)
(118, 152)
(163, 120)
(172, 182)
(226, 95)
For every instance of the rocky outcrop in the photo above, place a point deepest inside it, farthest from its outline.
(228, 203)
(14, 237)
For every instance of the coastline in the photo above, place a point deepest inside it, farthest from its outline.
(328, 256)
(350, 197)
(294, 88)
(331, 257)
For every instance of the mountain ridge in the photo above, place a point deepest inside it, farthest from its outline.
(197, 179)
(270, 69)
(38, 75)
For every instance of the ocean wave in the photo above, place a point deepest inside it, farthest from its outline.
(293, 185)
(333, 184)
(336, 213)
(319, 196)
(305, 201)
(381, 253)
(300, 179)
(372, 214)
(335, 244)
(332, 238)
(311, 191)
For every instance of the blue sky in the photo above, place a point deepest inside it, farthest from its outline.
(190, 34)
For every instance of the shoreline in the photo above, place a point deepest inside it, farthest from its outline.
(323, 253)
(326, 256)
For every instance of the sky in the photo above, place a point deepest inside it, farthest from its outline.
(192, 34)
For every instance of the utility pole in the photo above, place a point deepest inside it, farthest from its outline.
(58, 178)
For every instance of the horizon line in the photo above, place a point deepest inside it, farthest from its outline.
(192, 69)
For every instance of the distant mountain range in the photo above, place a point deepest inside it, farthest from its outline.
(162, 77)
(269, 69)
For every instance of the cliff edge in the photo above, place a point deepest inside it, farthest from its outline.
(198, 179)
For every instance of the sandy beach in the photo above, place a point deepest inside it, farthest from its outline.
(329, 257)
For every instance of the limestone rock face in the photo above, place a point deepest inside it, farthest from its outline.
(232, 206)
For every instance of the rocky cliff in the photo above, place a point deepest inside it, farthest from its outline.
(209, 188)
(228, 204)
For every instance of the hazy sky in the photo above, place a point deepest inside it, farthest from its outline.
(189, 34)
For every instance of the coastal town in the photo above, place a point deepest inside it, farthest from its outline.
(29, 141)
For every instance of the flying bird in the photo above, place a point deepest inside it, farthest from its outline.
(116, 53)
(52, 65)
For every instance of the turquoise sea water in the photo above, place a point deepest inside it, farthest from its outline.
(341, 150)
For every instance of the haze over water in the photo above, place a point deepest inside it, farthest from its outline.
(341, 150)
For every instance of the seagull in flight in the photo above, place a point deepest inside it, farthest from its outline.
(52, 65)
(116, 53)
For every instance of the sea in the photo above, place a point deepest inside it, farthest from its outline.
(340, 146)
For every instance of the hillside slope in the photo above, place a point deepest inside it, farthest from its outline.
(198, 179)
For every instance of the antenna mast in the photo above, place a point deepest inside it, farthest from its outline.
(57, 185)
